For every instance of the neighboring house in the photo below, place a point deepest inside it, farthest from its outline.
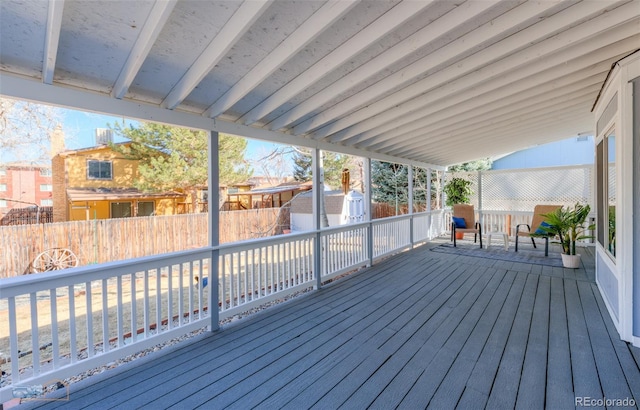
(23, 185)
(572, 151)
(98, 183)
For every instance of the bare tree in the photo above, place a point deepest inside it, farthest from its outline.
(275, 164)
(25, 130)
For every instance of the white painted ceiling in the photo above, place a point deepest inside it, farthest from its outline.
(437, 82)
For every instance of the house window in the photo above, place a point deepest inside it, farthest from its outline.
(3, 187)
(120, 209)
(3, 172)
(146, 208)
(46, 202)
(45, 172)
(606, 192)
(99, 169)
(3, 203)
(46, 187)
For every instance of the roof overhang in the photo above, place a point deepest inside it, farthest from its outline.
(99, 194)
(430, 83)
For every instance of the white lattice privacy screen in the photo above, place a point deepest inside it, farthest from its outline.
(522, 189)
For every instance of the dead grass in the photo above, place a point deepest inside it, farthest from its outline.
(100, 307)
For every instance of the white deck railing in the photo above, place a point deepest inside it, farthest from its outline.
(62, 323)
(499, 221)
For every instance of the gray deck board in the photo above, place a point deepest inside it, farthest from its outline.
(612, 378)
(534, 368)
(507, 381)
(419, 330)
(559, 380)
(585, 376)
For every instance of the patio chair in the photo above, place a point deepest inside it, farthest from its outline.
(537, 220)
(466, 213)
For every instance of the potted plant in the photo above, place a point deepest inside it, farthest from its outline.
(568, 224)
(458, 191)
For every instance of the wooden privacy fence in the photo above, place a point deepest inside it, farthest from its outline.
(105, 240)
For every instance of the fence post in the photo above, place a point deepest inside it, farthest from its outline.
(213, 193)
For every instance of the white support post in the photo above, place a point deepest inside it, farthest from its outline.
(442, 201)
(410, 203)
(367, 207)
(480, 199)
(429, 217)
(318, 199)
(213, 201)
(429, 174)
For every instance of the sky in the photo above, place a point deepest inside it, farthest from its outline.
(80, 126)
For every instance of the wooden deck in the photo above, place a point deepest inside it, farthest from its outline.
(421, 329)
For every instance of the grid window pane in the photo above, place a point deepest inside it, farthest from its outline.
(99, 169)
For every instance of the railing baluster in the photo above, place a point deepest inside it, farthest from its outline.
(244, 263)
(298, 270)
(91, 351)
(252, 265)
(120, 313)
(181, 269)
(35, 348)
(105, 316)
(55, 344)
(170, 297)
(73, 341)
(270, 266)
(13, 340)
(158, 271)
(190, 294)
(223, 279)
(146, 304)
(291, 264)
(134, 308)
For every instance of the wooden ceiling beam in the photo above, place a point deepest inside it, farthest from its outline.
(365, 38)
(315, 25)
(497, 61)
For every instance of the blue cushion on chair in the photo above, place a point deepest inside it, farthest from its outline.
(541, 231)
(460, 223)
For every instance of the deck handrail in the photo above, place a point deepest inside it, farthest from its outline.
(155, 298)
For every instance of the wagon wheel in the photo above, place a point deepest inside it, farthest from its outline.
(55, 259)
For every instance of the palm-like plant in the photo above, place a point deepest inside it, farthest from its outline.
(568, 224)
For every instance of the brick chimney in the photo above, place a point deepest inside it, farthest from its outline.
(58, 176)
(57, 141)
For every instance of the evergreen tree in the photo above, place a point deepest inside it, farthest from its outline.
(479, 165)
(390, 184)
(176, 158)
(302, 165)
